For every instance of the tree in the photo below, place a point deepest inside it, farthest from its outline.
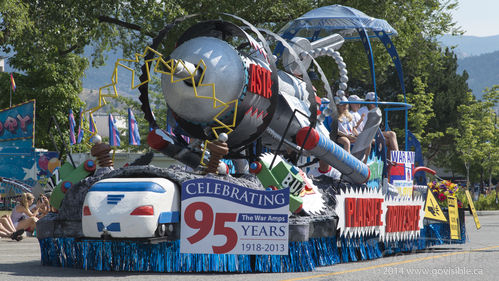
(476, 136)
(451, 90)
(55, 94)
(465, 140)
(491, 165)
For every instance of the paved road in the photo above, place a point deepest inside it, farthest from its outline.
(478, 259)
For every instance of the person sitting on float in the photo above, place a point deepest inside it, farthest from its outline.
(390, 136)
(347, 134)
(358, 117)
(22, 216)
(363, 110)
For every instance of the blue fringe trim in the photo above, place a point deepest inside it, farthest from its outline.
(166, 257)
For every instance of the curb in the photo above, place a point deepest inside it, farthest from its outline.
(483, 213)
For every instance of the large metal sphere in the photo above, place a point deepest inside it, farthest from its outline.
(224, 68)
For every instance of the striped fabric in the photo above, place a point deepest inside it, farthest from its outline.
(91, 123)
(72, 124)
(133, 129)
(114, 134)
(80, 127)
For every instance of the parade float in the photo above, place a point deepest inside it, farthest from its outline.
(238, 99)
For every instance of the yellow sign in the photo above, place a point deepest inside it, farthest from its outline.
(432, 210)
(404, 188)
(455, 229)
(473, 211)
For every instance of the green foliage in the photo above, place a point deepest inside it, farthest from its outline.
(46, 41)
(461, 197)
(422, 110)
(261, 12)
(487, 202)
(476, 135)
(490, 100)
(451, 90)
(55, 94)
(484, 202)
(15, 19)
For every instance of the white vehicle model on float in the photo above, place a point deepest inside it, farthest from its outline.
(131, 207)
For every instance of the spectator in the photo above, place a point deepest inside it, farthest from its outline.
(390, 136)
(347, 134)
(8, 230)
(22, 216)
(43, 206)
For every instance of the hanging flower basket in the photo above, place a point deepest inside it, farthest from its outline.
(442, 189)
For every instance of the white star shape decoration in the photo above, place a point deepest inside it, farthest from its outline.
(30, 173)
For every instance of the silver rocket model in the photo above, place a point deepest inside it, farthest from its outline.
(222, 87)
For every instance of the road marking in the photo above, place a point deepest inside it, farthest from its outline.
(389, 264)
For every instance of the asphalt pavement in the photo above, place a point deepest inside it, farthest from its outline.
(475, 260)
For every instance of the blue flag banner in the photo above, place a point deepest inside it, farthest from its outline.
(91, 123)
(81, 133)
(133, 129)
(114, 134)
(72, 124)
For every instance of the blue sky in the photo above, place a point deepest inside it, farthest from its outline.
(478, 17)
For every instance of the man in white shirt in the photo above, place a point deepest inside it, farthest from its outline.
(363, 110)
(358, 117)
(390, 136)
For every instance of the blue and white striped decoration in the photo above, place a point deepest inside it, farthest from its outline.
(114, 199)
(130, 255)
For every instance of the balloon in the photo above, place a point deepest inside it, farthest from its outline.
(43, 162)
(53, 163)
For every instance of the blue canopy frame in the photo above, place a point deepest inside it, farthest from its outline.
(321, 21)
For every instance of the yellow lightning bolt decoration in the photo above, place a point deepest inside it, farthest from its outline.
(170, 66)
(114, 81)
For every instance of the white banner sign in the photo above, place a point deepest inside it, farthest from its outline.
(218, 217)
(403, 164)
(369, 212)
